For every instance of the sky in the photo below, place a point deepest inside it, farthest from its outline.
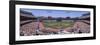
(55, 13)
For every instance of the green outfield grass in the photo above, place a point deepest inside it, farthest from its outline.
(58, 25)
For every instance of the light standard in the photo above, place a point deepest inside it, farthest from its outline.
(37, 27)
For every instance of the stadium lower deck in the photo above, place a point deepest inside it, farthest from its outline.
(37, 28)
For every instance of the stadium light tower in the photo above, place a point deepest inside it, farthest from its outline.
(37, 26)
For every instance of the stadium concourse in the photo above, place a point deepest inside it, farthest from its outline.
(30, 25)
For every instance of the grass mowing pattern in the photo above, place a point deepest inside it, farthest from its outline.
(58, 25)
